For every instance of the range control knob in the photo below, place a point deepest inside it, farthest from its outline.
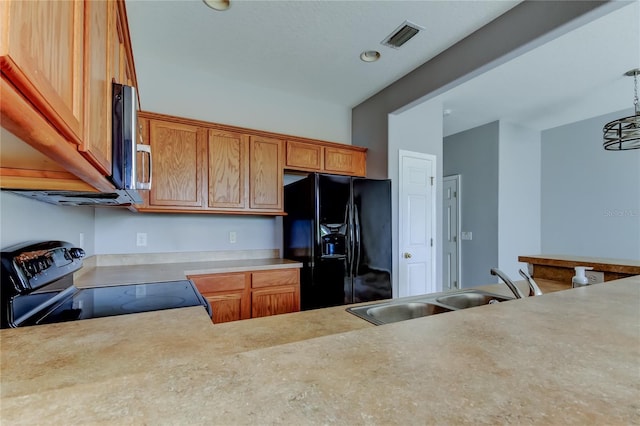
(76, 253)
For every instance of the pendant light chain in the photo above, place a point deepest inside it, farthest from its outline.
(635, 92)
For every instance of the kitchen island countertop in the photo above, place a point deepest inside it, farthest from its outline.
(561, 358)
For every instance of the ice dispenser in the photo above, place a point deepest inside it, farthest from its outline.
(333, 239)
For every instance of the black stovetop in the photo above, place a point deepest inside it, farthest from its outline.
(37, 288)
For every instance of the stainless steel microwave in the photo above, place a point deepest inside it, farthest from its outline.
(126, 163)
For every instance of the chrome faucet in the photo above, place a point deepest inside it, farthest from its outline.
(516, 291)
(534, 290)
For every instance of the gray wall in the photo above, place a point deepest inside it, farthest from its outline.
(590, 197)
(522, 28)
(22, 219)
(116, 231)
(473, 154)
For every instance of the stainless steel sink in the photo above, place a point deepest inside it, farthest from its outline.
(470, 299)
(395, 312)
(421, 306)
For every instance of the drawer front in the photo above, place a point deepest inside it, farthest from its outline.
(220, 282)
(275, 277)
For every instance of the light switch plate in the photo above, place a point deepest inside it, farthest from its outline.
(466, 235)
(141, 239)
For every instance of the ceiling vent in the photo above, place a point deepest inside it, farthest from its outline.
(402, 34)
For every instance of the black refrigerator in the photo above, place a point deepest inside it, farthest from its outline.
(339, 227)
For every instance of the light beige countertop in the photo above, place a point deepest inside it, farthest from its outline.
(95, 276)
(569, 357)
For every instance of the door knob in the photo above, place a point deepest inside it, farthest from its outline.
(407, 255)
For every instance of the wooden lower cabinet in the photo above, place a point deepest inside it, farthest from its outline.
(275, 300)
(243, 295)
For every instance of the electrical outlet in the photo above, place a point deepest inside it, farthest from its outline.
(594, 277)
(81, 240)
(232, 237)
(141, 239)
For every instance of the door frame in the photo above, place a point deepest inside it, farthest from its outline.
(434, 237)
(457, 177)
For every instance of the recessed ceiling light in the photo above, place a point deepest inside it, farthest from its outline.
(218, 4)
(370, 55)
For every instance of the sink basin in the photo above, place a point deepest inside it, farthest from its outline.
(470, 299)
(422, 306)
(394, 312)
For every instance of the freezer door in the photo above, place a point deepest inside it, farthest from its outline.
(372, 239)
(330, 280)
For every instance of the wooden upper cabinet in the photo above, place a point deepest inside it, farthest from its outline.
(57, 59)
(305, 156)
(228, 156)
(266, 173)
(325, 158)
(41, 53)
(178, 155)
(97, 75)
(344, 161)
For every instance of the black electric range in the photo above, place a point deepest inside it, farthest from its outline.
(37, 288)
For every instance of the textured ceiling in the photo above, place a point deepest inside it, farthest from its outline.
(308, 48)
(311, 49)
(576, 76)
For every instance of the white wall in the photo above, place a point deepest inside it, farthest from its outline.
(418, 129)
(116, 231)
(196, 94)
(519, 161)
(590, 197)
(22, 219)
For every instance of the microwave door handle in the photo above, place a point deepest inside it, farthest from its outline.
(145, 149)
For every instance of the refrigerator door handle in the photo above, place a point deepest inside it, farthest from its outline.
(356, 254)
(348, 242)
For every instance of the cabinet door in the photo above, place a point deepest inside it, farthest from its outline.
(42, 55)
(226, 307)
(344, 161)
(227, 172)
(304, 156)
(265, 173)
(178, 151)
(228, 295)
(275, 292)
(275, 300)
(97, 97)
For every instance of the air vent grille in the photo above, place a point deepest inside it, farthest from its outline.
(402, 34)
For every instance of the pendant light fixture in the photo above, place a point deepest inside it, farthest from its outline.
(624, 133)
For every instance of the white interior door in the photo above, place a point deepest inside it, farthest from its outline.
(451, 273)
(416, 211)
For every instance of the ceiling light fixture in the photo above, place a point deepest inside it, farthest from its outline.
(624, 133)
(370, 55)
(218, 4)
